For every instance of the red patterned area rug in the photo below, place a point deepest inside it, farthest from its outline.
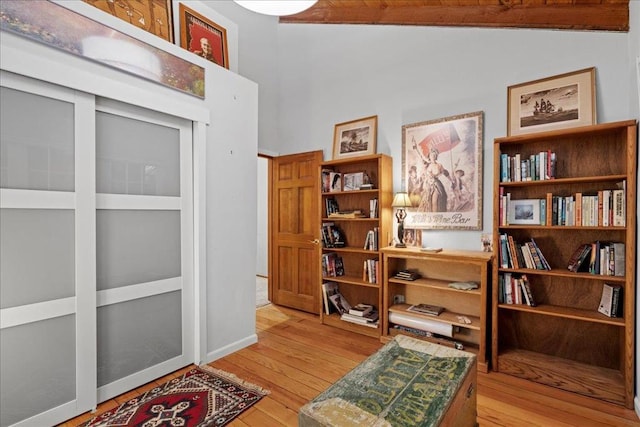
(204, 396)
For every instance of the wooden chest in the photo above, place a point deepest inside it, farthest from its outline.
(408, 382)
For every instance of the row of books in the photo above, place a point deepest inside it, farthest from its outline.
(603, 258)
(515, 289)
(521, 255)
(371, 270)
(332, 236)
(603, 208)
(371, 241)
(535, 167)
(335, 302)
(332, 265)
(611, 301)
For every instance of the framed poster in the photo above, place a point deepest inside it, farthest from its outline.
(153, 16)
(203, 37)
(557, 102)
(355, 138)
(442, 172)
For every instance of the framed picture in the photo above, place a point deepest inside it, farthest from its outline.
(558, 102)
(524, 211)
(203, 37)
(442, 172)
(153, 16)
(355, 138)
(412, 238)
(54, 25)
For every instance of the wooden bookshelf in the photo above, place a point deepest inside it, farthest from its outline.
(437, 271)
(564, 342)
(353, 285)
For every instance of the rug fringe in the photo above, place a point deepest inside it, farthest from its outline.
(232, 377)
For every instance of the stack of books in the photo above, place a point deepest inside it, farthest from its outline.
(362, 314)
(407, 275)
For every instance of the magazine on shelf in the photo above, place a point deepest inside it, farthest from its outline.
(430, 309)
(339, 302)
(328, 289)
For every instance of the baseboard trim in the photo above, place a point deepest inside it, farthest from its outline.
(231, 348)
(636, 405)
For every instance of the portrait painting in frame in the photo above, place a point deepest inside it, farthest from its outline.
(442, 172)
(557, 102)
(203, 37)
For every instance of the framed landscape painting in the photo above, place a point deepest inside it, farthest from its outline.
(557, 102)
(442, 172)
(355, 138)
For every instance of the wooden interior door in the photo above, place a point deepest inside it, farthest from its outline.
(295, 230)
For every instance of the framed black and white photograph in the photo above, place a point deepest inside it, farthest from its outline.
(355, 138)
(525, 211)
(557, 102)
(442, 172)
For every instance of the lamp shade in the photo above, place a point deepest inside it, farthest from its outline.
(401, 200)
(277, 8)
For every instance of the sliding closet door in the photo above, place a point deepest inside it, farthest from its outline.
(47, 252)
(144, 246)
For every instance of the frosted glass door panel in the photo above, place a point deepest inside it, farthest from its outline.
(36, 142)
(37, 368)
(136, 157)
(37, 255)
(137, 334)
(137, 247)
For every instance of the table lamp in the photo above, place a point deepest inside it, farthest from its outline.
(401, 201)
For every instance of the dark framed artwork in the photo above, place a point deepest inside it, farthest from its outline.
(203, 37)
(442, 172)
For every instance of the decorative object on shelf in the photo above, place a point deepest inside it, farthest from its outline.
(54, 25)
(558, 102)
(413, 237)
(442, 161)
(203, 37)
(355, 138)
(401, 201)
(153, 16)
(277, 8)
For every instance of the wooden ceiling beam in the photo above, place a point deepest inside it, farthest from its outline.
(599, 15)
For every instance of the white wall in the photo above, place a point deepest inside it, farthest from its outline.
(262, 268)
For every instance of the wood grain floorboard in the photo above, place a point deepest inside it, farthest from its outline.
(296, 358)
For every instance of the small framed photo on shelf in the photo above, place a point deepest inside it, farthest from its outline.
(412, 237)
(525, 211)
(355, 138)
(557, 102)
(355, 181)
(203, 37)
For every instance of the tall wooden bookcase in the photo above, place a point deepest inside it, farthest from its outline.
(352, 284)
(564, 342)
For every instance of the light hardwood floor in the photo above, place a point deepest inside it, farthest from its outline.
(296, 358)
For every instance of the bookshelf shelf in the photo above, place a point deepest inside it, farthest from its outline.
(437, 271)
(353, 285)
(564, 342)
(566, 312)
(565, 273)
